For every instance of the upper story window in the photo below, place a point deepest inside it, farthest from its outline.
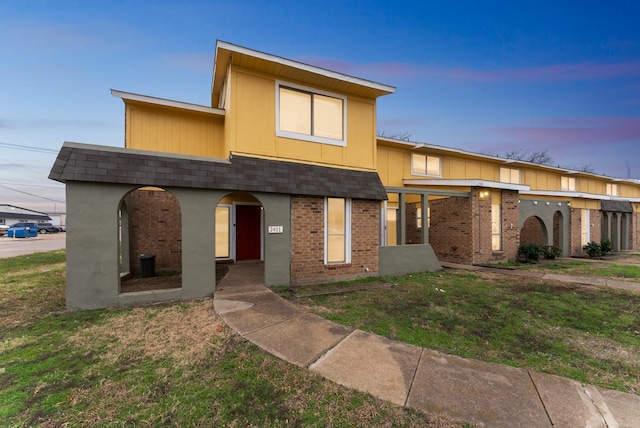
(510, 175)
(612, 189)
(425, 165)
(311, 115)
(568, 184)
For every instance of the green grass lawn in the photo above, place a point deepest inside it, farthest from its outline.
(158, 365)
(590, 268)
(590, 334)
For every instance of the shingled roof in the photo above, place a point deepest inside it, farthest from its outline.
(616, 206)
(101, 164)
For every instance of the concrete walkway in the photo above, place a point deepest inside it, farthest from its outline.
(477, 392)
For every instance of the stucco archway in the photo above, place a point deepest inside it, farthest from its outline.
(150, 225)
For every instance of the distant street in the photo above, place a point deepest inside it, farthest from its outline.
(10, 247)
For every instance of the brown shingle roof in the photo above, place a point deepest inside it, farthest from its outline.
(616, 206)
(100, 164)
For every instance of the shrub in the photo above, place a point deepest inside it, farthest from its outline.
(530, 252)
(551, 252)
(593, 249)
(605, 247)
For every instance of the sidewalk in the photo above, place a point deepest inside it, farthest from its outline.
(477, 392)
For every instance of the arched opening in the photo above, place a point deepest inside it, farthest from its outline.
(624, 232)
(558, 230)
(150, 241)
(239, 225)
(533, 230)
(615, 231)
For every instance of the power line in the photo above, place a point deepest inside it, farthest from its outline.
(27, 148)
(30, 194)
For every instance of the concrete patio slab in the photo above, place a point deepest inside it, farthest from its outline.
(371, 363)
(301, 340)
(261, 316)
(474, 391)
(224, 306)
(568, 402)
(624, 408)
(623, 285)
(575, 279)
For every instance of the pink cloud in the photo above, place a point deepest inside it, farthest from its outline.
(554, 72)
(584, 131)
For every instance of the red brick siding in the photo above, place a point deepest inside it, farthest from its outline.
(451, 229)
(307, 258)
(532, 231)
(413, 235)
(510, 229)
(155, 228)
(575, 236)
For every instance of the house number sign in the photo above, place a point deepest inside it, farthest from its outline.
(276, 229)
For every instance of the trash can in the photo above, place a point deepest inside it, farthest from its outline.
(147, 265)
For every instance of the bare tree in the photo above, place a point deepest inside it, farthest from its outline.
(402, 136)
(526, 155)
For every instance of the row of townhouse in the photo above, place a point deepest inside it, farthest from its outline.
(285, 168)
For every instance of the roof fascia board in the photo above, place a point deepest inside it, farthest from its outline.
(112, 149)
(579, 195)
(128, 96)
(467, 183)
(305, 67)
(497, 159)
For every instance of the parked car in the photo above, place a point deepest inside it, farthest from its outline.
(48, 228)
(23, 230)
(3, 229)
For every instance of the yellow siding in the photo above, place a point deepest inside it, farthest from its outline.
(627, 191)
(391, 166)
(251, 127)
(174, 131)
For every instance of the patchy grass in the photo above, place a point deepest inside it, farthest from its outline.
(596, 269)
(589, 334)
(160, 365)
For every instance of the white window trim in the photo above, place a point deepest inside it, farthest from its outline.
(304, 137)
(413, 172)
(347, 232)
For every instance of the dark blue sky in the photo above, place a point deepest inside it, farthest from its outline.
(488, 77)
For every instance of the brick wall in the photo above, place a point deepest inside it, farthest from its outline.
(155, 228)
(532, 231)
(510, 230)
(595, 226)
(307, 258)
(635, 231)
(413, 234)
(451, 229)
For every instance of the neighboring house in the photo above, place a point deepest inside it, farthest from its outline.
(285, 168)
(10, 214)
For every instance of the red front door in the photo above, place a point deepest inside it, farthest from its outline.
(248, 236)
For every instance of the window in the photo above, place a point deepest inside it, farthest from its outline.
(612, 189)
(306, 114)
(585, 230)
(496, 221)
(419, 217)
(568, 184)
(337, 226)
(223, 218)
(510, 175)
(425, 165)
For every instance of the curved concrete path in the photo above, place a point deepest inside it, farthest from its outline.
(481, 393)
